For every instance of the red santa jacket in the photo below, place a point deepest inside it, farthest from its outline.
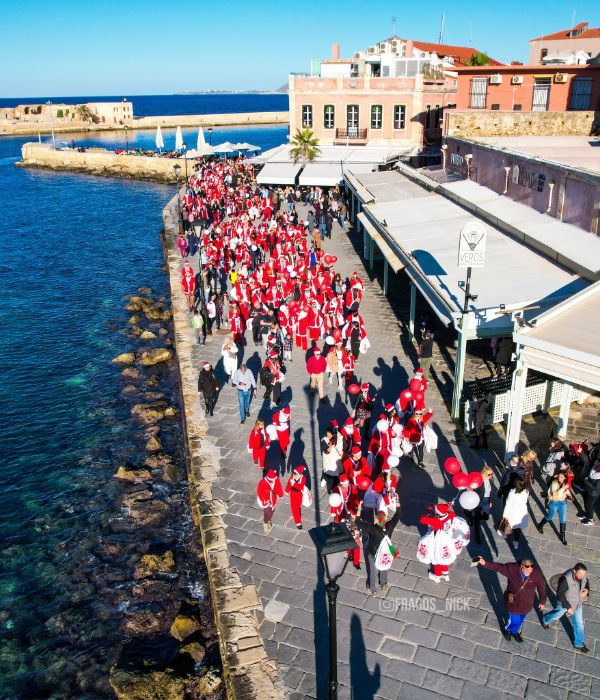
(413, 430)
(258, 439)
(268, 491)
(316, 364)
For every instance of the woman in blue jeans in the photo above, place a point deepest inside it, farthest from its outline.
(558, 494)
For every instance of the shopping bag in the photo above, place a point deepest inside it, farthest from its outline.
(430, 438)
(385, 555)
(406, 446)
(307, 498)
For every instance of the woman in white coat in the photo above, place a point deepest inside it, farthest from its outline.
(229, 353)
(515, 517)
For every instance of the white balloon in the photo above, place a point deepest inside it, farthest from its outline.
(272, 432)
(330, 340)
(382, 426)
(393, 461)
(335, 500)
(469, 500)
(290, 268)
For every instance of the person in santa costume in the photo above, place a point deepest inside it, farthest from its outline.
(258, 443)
(295, 488)
(188, 284)
(413, 431)
(350, 436)
(418, 382)
(281, 421)
(445, 538)
(363, 409)
(356, 465)
(268, 492)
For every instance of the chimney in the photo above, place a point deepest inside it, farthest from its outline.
(335, 51)
(408, 49)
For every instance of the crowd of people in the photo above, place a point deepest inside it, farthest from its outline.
(264, 276)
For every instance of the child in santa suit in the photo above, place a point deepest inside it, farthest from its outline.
(281, 421)
(295, 487)
(443, 541)
(258, 443)
(268, 492)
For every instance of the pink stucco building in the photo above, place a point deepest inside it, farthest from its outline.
(392, 93)
(567, 42)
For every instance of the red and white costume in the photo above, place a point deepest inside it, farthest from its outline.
(295, 487)
(281, 421)
(444, 540)
(258, 443)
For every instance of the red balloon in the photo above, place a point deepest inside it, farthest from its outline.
(324, 287)
(475, 480)
(363, 482)
(327, 259)
(293, 305)
(460, 480)
(452, 465)
(419, 397)
(333, 258)
(337, 334)
(354, 389)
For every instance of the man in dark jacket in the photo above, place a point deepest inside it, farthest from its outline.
(482, 409)
(372, 534)
(572, 591)
(207, 384)
(523, 580)
(591, 493)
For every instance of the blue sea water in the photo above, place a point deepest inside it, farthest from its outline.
(152, 105)
(72, 246)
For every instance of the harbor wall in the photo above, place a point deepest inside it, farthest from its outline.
(103, 162)
(247, 670)
(20, 128)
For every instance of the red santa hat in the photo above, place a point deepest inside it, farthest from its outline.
(285, 413)
(343, 478)
(300, 469)
(356, 450)
(273, 353)
(317, 351)
(334, 423)
(442, 508)
(206, 364)
(365, 386)
(378, 485)
(271, 474)
(389, 407)
(418, 372)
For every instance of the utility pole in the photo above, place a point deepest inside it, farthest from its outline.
(441, 37)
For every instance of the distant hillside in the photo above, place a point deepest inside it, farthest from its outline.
(283, 88)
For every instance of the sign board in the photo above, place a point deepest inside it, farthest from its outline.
(471, 247)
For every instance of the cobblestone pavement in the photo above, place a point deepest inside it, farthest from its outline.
(422, 639)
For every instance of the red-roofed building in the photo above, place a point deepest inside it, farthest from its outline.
(565, 43)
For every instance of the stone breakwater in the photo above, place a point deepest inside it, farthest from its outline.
(102, 162)
(247, 671)
(16, 128)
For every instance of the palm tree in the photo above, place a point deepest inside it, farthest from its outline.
(304, 146)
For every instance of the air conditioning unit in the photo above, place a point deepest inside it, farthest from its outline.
(560, 78)
(496, 79)
(357, 54)
(382, 45)
(517, 80)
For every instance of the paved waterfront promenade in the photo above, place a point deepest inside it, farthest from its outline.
(422, 639)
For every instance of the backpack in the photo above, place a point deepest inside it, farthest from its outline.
(265, 375)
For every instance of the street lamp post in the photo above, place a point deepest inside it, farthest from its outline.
(51, 124)
(126, 139)
(332, 543)
(177, 169)
(210, 130)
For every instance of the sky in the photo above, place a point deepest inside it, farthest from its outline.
(135, 47)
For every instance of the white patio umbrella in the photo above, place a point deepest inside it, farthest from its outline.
(160, 144)
(201, 142)
(223, 148)
(178, 139)
(246, 147)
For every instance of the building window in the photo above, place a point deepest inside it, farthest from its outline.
(478, 93)
(399, 116)
(543, 54)
(541, 94)
(352, 116)
(376, 116)
(307, 116)
(438, 117)
(581, 90)
(428, 118)
(328, 116)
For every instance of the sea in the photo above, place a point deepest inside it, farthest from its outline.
(74, 248)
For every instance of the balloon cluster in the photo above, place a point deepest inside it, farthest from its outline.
(461, 480)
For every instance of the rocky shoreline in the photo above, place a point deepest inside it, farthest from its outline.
(170, 648)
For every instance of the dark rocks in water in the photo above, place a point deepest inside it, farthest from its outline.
(170, 472)
(153, 444)
(149, 589)
(207, 685)
(146, 513)
(146, 685)
(157, 461)
(145, 290)
(147, 335)
(129, 389)
(134, 320)
(154, 356)
(154, 564)
(132, 475)
(132, 373)
(149, 413)
(156, 314)
(130, 499)
(184, 626)
(152, 395)
(145, 623)
(195, 650)
(153, 381)
(125, 358)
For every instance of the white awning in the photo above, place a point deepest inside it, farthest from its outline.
(278, 174)
(395, 262)
(322, 174)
